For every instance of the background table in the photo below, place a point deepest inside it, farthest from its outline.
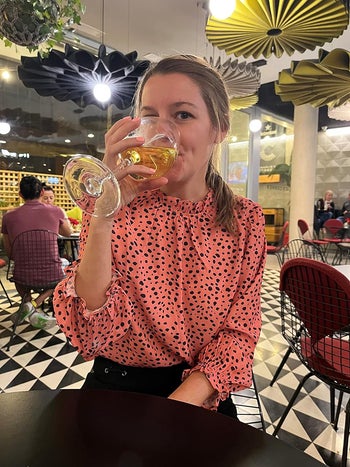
(106, 428)
(344, 269)
(71, 245)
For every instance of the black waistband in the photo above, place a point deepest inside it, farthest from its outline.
(109, 366)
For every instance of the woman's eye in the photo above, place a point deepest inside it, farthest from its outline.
(183, 115)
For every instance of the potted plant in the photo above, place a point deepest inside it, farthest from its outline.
(284, 170)
(29, 23)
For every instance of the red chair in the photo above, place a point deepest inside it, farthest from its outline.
(305, 234)
(315, 306)
(282, 241)
(2, 265)
(334, 231)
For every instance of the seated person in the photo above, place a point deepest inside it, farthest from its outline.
(48, 197)
(345, 211)
(33, 215)
(324, 210)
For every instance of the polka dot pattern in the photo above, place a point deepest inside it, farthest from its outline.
(183, 289)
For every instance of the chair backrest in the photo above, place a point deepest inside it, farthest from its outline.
(315, 305)
(283, 238)
(36, 259)
(333, 227)
(304, 230)
(299, 248)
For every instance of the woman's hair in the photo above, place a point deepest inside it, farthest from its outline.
(47, 187)
(214, 94)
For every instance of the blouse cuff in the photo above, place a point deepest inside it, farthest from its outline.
(110, 293)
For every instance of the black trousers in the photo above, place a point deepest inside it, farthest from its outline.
(162, 381)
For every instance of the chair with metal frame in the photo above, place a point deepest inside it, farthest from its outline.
(315, 307)
(333, 232)
(282, 241)
(3, 265)
(305, 234)
(342, 254)
(248, 406)
(34, 266)
(297, 248)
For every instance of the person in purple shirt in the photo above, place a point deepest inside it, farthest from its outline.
(34, 215)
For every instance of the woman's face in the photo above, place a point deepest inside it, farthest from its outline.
(47, 197)
(177, 98)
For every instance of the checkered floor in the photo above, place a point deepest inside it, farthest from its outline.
(43, 360)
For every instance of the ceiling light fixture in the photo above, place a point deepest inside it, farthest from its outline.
(326, 82)
(266, 27)
(84, 78)
(102, 92)
(255, 125)
(5, 128)
(73, 74)
(222, 9)
(242, 81)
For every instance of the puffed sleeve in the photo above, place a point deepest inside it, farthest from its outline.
(91, 331)
(227, 360)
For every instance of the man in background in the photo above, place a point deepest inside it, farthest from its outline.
(33, 215)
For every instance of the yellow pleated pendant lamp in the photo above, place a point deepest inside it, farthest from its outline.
(266, 27)
(326, 82)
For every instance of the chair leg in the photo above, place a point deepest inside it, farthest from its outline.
(336, 419)
(332, 402)
(281, 365)
(263, 427)
(291, 402)
(14, 327)
(5, 292)
(346, 435)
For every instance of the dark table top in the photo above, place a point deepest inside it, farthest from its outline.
(107, 428)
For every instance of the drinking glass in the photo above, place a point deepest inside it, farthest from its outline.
(86, 178)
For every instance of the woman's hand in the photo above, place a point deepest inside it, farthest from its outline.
(115, 144)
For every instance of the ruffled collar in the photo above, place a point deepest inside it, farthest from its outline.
(180, 205)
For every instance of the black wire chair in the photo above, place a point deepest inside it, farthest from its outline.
(315, 307)
(297, 248)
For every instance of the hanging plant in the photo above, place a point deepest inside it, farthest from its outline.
(30, 23)
(284, 170)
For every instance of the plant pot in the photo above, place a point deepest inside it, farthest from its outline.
(28, 23)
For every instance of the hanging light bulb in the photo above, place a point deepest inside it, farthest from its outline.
(102, 92)
(255, 125)
(5, 128)
(222, 9)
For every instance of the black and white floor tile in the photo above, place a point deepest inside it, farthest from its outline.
(44, 360)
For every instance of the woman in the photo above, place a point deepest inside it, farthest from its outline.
(324, 210)
(47, 195)
(166, 295)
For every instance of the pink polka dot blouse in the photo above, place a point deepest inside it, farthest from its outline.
(183, 289)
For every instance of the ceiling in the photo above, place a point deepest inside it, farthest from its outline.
(154, 28)
(163, 27)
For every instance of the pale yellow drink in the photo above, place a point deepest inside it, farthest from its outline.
(159, 158)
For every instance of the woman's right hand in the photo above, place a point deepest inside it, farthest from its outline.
(115, 143)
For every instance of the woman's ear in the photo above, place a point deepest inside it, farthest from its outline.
(220, 136)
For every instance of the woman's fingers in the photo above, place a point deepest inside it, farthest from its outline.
(116, 140)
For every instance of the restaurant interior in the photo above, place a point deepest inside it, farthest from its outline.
(40, 130)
